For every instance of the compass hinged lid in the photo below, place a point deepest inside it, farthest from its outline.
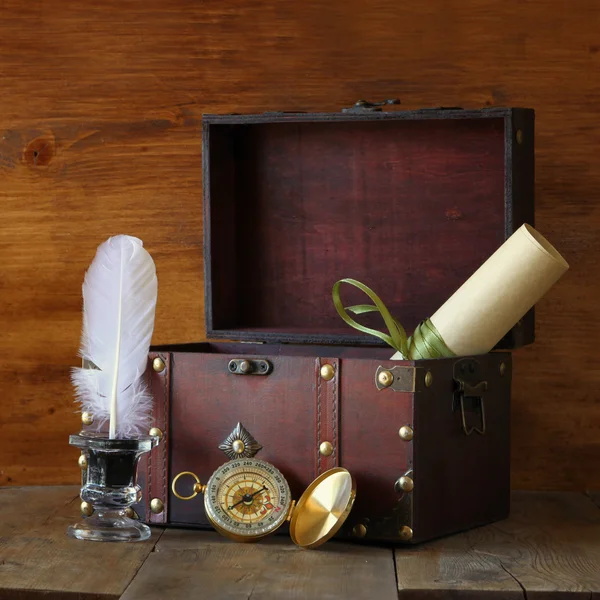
(323, 508)
(410, 203)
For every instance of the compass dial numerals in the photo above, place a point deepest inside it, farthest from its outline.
(247, 498)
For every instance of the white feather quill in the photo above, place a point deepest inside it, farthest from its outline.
(119, 302)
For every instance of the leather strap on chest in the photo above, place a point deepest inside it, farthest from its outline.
(327, 452)
(158, 463)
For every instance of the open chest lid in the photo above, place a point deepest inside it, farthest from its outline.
(410, 203)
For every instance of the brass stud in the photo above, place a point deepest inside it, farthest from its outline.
(428, 379)
(245, 366)
(82, 462)
(238, 446)
(326, 449)
(406, 433)
(156, 506)
(156, 432)
(130, 512)
(405, 533)
(502, 369)
(327, 372)
(87, 418)
(385, 378)
(87, 509)
(519, 136)
(158, 364)
(405, 484)
(359, 530)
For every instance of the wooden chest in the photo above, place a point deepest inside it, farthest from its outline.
(408, 202)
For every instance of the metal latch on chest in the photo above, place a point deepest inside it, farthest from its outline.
(469, 394)
(248, 366)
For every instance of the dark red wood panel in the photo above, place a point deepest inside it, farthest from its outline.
(207, 402)
(462, 480)
(385, 202)
(370, 447)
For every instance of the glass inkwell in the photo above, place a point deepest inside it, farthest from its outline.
(109, 488)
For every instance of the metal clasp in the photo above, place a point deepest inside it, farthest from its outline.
(363, 106)
(398, 378)
(246, 366)
(469, 392)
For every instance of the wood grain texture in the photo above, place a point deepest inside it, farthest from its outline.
(189, 564)
(595, 497)
(100, 134)
(37, 557)
(548, 547)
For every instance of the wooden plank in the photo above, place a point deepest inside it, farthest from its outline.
(37, 557)
(99, 134)
(549, 547)
(29, 507)
(595, 497)
(452, 566)
(194, 564)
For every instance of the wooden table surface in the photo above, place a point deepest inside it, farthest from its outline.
(548, 548)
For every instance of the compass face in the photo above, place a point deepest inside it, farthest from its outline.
(247, 498)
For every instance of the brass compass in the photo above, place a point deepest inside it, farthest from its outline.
(246, 498)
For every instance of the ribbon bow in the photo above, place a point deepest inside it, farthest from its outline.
(425, 342)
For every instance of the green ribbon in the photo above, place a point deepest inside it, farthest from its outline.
(425, 342)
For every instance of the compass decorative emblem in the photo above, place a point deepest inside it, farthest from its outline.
(240, 444)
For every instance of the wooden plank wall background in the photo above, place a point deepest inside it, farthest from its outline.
(100, 113)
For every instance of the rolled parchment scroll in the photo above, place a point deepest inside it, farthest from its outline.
(484, 309)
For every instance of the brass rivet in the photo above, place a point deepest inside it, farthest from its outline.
(326, 449)
(405, 533)
(385, 378)
(519, 136)
(359, 530)
(428, 379)
(156, 506)
(87, 509)
(87, 418)
(158, 364)
(327, 372)
(405, 484)
(82, 462)
(130, 512)
(244, 366)
(156, 432)
(406, 433)
(238, 446)
(502, 369)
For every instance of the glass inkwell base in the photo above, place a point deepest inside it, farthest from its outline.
(109, 526)
(109, 487)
